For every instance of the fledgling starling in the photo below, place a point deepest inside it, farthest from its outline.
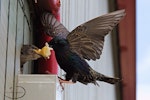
(31, 52)
(84, 42)
(28, 53)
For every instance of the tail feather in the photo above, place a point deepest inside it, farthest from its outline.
(108, 79)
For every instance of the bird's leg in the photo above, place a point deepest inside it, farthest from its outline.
(61, 80)
(64, 81)
(68, 80)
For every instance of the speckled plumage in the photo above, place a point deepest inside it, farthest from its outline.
(84, 42)
(76, 68)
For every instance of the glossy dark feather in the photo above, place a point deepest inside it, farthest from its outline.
(84, 42)
(76, 68)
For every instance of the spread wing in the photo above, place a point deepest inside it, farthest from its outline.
(52, 27)
(87, 40)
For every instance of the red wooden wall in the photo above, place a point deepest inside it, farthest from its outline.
(127, 39)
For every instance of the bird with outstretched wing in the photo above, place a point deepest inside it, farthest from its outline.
(84, 42)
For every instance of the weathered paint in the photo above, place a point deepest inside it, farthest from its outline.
(127, 45)
(14, 31)
(3, 44)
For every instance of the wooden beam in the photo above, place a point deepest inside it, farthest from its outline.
(127, 43)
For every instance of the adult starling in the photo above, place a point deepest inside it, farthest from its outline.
(84, 42)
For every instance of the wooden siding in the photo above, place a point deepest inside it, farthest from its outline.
(74, 13)
(127, 46)
(15, 29)
(3, 45)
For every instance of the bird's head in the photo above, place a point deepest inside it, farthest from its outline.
(58, 42)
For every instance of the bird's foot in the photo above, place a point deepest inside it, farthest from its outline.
(61, 81)
(64, 81)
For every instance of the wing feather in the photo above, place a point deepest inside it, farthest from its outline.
(52, 27)
(87, 40)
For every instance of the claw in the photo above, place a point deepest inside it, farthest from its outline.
(64, 81)
(61, 81)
